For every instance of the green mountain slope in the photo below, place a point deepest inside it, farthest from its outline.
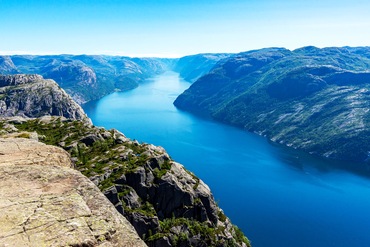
(312, 99)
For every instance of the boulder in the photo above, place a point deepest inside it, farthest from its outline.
(143, 223)
(162, 242)
(131, 199)
(90, 139)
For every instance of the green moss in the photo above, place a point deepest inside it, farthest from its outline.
(146, 209)
(221, 216)
(124, 193)
(136, 147)
(23, 135)
(156, 236)
(164, 168)
(105, 184)
(54, 131)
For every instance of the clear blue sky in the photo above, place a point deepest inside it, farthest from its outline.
(178, 27)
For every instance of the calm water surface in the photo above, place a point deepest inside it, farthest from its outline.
(277, 196)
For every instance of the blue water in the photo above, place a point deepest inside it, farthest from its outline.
(277, 196)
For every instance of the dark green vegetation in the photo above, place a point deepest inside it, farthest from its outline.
(312, 99)
(167, 205)
(86, 77)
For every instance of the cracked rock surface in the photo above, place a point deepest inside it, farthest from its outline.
(44, 202)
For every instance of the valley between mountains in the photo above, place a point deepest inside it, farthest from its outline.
(309, 99)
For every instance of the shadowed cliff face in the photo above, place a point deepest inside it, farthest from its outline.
(311, 99)
(47, 203)
(33, 96)
(166, 204)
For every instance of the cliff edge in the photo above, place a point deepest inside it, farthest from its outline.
(45, 202)
(166, 204)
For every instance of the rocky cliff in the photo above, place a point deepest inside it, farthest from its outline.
(166, 204)
(33, 96)
(312, 99)
(45, 202)
(7, 66)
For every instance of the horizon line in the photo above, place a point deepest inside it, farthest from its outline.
(148, 55)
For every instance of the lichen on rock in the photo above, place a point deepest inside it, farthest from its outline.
(45, 202)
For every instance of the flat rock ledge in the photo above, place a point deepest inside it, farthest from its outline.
(44, 202)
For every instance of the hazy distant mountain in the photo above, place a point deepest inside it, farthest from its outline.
(194, 66)
(317, 100)
(86, 77)
(89, 77)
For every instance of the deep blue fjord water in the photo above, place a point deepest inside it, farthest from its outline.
(277, 196)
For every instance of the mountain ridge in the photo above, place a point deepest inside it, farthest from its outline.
(90, 77)
(86, 77)
(311, 99)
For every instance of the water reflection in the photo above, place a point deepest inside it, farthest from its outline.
(303, 161)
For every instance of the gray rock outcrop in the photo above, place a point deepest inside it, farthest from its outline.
(33, 96)
(7, 65)
(46, 203)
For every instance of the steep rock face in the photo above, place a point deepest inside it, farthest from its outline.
(33, 96)
(193, 67)
(73, 76)
(46, 203)
(311, 99)
(7, 66)
(69, 72)
(167, 205)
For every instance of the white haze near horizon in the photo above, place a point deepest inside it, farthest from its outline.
(175, 28)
